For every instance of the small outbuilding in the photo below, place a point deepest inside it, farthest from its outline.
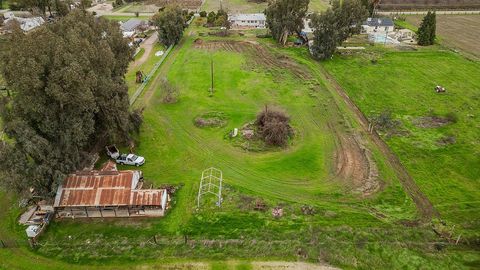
(108, 193)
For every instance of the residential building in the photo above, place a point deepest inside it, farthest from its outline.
(375, 25)
(132, 27)
(26, 24)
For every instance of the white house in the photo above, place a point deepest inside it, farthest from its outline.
(132, 27)
(26, 24)
(375, 25)
(247, 21)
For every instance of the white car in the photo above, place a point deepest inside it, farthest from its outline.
(130, 159)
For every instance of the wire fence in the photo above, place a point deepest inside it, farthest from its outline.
(140, 89)
(144, 84)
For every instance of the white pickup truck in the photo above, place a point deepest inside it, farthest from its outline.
(130, 159)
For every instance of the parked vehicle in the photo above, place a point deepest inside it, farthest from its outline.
(130, 159)
(112, 151)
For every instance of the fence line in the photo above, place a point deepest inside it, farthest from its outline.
(140, 89)
(147, 79)
(423, 12)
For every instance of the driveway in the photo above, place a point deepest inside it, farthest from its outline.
(148, 45)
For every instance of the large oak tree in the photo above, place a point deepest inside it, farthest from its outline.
(333, 26)
(285, 17)
(69, 94)
(170, 25)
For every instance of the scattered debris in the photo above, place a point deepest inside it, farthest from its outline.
(440, 89)
(277, 212)
(234, 133)
(159, 53)
(211, 119)
(248, 133)
(260, 205)
(308, 210)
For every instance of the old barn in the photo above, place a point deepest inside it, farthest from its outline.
(108, 193)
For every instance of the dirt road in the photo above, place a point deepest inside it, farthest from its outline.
(424, 206)
(148, 45)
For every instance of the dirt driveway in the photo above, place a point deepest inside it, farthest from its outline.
(148, 45)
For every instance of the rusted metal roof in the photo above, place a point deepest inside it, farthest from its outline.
(105, 188)
(147, 197)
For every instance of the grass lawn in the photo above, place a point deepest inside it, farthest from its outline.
(146, 67)
(345, 230)
(318, 5)
(235, 6)
(403, 82)
(124, 18)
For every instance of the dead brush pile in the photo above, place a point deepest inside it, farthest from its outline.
(273, 126)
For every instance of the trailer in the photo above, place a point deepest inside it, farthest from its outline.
(112, 151)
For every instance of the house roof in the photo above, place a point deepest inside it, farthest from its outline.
(378, 22)
(247, 17)
(26, 24)
(107, 187)
(131, 25)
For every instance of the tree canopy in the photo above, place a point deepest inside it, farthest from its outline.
(333, 26)
(426, 31)
(69, 94)
(285, 17)
(61, 7)
(170, 25)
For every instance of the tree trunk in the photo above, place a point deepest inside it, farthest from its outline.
(284, 37)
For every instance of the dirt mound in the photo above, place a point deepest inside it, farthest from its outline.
(260, 56)
(211, 119)
(355, 164)
(431, 121)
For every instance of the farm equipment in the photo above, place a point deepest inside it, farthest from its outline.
(139, 77)
(440, 89)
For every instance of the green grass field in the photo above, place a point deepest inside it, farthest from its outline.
(124, 18)
(234, 6)
(346, 230)
(145, 67)
(246, 6)
(403, 82)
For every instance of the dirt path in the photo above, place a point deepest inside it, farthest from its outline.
(424, 206)
(354, 165)
(148, 45)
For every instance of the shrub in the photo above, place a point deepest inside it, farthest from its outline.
(273, 126)
(169, 91)
(385, 121)
(203, 14)
(136, 120)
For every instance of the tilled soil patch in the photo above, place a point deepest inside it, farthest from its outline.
(260, 56)
(431, 121)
